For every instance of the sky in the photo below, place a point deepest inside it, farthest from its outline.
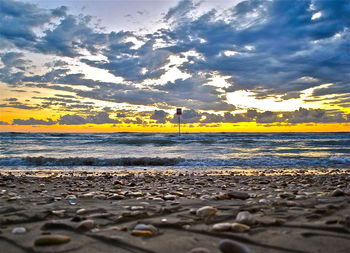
(117, 65)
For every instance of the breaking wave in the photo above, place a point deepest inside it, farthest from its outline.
(295, 161)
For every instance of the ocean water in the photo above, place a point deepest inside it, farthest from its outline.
(70, 150)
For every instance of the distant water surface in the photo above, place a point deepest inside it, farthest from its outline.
(164, 149)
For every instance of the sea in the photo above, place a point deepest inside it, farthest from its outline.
(169, 150)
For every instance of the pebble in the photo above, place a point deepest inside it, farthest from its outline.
(239, 195)
(245, 217)
(230, 246)
(206, 211)
(136, 208)
(116, 197)
(142, 232)
(238, 227)
(263, 201)
(337, 193)
(86, 225)
(81, 211)
(19, 230)
(146, 227)
(222, 226)
(169, 197)
(199, 250)
(51, 240)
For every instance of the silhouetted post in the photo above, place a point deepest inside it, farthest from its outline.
(178, 113)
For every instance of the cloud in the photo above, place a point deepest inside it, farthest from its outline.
(70, 36)
(98, 118)
(181, 10)
(3, 123)
(18, 21)
(271, 48)
(188, 116)
(32, 121)
(159, 115)
(293, 117)
(13, 59)
(316, 115)
(194, 93)
(146, 62)
(18, 105)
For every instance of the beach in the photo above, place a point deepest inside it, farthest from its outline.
(175, 210)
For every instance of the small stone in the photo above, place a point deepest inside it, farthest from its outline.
(137, 208)
(206, 211)
(48, 240)
(146, 227)
(205, 197)
(337, 193)
(58, 212)
(263, 201)
(169, 197)
(76, 219)
(199, 250)
(88, 195)
(245, 217)
(71, 197)
(57, 224)
(116, 197)
(286, 195)
(81, 211)
(222, 196)
(86, 225)
(238, 227)
(238, 195)
(19, 230)
(222, 226)
(230, 246)
(142, 232)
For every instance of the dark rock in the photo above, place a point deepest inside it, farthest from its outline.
(230, 246)
(238, 195)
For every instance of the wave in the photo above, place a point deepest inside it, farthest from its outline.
(282, 161)
(89, 161)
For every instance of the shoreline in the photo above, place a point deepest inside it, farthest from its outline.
(48, 171)
(257, 210)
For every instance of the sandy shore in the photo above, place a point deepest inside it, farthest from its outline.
(175, 211)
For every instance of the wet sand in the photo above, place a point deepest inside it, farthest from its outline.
(175, 211)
